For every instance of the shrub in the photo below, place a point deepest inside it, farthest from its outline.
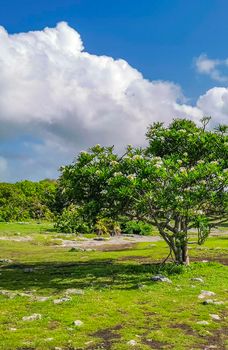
(72, 221)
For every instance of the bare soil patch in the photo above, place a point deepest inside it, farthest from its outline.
(108, 336)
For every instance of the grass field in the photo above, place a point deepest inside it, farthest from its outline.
(110, 292)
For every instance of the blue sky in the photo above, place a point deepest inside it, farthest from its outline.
(158, 37)
(162, 39)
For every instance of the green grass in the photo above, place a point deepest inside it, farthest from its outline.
(120, 302)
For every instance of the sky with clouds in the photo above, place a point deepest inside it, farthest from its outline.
(75, 74)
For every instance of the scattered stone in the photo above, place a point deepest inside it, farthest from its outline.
(75, 291)
(42, 299)
(204, 261)
(89, 342)
(28, 269)
(49, 339)
(132, 342)
(8, 294)
(12, 329)
(219, 302)
(29, 295)
(160, 278)
(212, 301)
(206, 293)
(78, 323)
(32, 317)
(198, 279)
(57, 348)
(208, 301)
(211, 347)
(203, 323)
(215, 317)
(6, 261)
(61, 300)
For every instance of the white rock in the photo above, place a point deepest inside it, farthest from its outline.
(215, 317)
(42, 299)
(206, 293)
(203, 323)
(61, 300)
(78, 323)
(219, 302)
(208, 301)
(132, 342)
(75, 291)
(12, 329)
(160, 278)
(198, 279)
(32, 317)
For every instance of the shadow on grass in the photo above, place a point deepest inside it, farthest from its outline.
(94, 274)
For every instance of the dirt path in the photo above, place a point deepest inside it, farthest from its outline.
(122, 241)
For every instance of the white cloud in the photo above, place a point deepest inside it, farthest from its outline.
(67, 99)
(212, 67)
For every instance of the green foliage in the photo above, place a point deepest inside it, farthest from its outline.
(177, 183)
(137, 227)
(27, 200)
(107, 226)
(71, 221)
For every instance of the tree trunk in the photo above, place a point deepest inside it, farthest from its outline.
(181, 254)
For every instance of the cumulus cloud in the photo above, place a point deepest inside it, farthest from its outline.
(65, 99)
(212, 67)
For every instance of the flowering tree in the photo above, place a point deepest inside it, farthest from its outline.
(178, 183)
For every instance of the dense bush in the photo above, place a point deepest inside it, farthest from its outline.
(71, 221)
(27, 200)
(137, 228)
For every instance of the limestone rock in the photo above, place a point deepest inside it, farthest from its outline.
(160, 278)
(32, 317)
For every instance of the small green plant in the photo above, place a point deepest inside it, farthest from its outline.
(106, 226)
(71, 221)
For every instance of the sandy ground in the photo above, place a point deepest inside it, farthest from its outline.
(121, 241)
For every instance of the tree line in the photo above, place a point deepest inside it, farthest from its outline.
(28, 200)
(177, 182)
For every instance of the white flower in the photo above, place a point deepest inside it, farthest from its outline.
(179, 161)
(137, 156)
(131, 176)
(185, 154)
(157, 158)
(201, 161)
(183, 131)
(214, 162)
(117, 174)
(84, 152)
(114, 162)
(182, 169)
(225, 170)
(179, 198)
(158, 165)
(97, 172)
